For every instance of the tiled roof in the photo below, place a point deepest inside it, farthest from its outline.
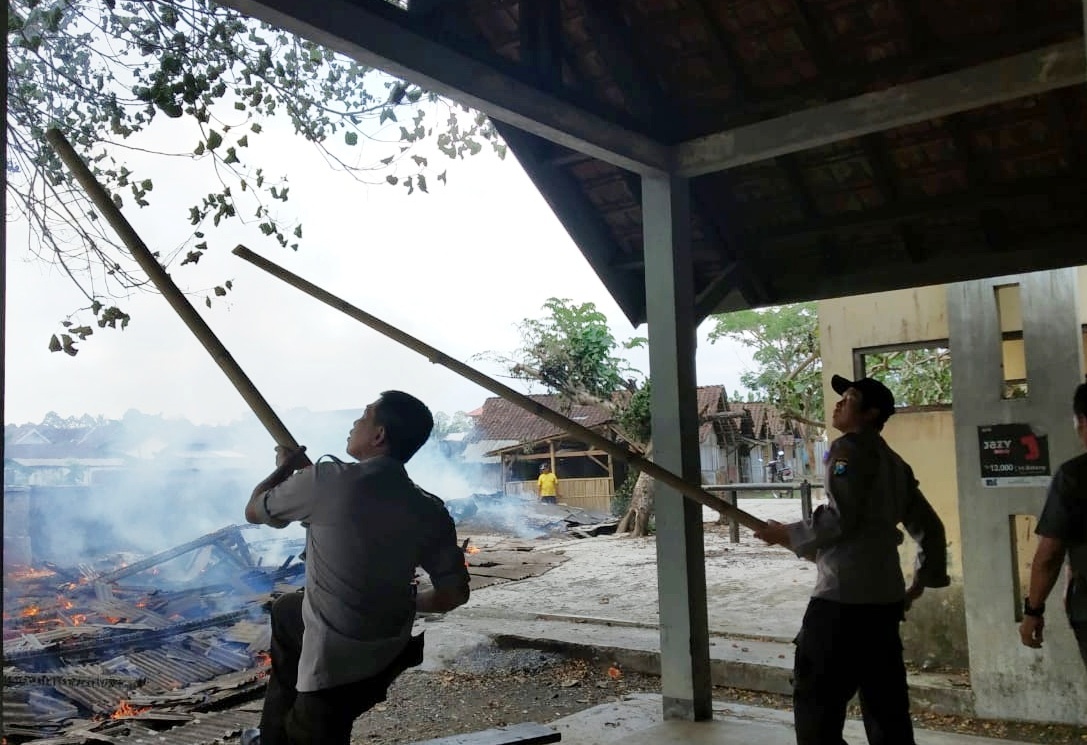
(499, 419)
(711, 398)
(766, 420)
(502, 420)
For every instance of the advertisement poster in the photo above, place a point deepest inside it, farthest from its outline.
(1013, 455)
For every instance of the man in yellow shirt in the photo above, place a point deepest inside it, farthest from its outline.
(547, 486)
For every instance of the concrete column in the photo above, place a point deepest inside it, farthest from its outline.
(1009, 680)
(681, 566)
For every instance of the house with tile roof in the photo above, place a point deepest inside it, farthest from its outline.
(511, 443)
(36, 454)
(765, 432)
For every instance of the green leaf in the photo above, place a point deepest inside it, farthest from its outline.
(256, 128)
(199, 149)
(243, 141)
(351, 138)
(392, 179)
(298, 231)
(214, 140)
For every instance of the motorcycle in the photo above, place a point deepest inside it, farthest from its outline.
(780, 472)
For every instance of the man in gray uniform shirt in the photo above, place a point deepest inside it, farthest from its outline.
(337, 646)
(849, 640)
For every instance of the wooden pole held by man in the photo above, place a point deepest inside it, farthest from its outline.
(437, 357)
(157, 274)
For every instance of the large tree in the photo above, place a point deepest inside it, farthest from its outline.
(918, 376)
(572, 352)
(446, 424)
(788, 373)
(107, 72)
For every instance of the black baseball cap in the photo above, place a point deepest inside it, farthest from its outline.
(874, 395)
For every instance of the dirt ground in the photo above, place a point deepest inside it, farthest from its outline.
(491, 688)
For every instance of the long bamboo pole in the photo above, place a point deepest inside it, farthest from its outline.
(568, 425)
(150, 265)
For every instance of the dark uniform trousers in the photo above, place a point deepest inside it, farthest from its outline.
(322, 717)
(1075, 604)
(843, 649)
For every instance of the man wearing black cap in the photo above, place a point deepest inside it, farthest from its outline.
(849, 640)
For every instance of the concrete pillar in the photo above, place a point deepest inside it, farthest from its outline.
(681, 567)
(1009, 680)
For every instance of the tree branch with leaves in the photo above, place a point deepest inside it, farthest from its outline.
(107, 72)
(785, 347)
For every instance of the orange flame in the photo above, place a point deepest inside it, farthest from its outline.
(264, 661)
(30, 573)
(125, 709)
(30, 611)
(471, 550)
(113, 619)
(78, 619)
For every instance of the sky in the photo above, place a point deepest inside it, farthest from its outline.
(457, 268)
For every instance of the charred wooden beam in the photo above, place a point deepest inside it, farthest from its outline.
(228, 533)
(13, 677)
(128, 639)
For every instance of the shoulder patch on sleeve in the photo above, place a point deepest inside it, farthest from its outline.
(841, 465)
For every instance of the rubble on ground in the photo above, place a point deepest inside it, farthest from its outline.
(124, 649)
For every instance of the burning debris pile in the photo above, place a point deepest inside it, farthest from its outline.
(120, 651)
(97, 653)
(526, 517)
(508, 560)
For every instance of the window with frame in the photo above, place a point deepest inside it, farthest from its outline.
(918, 374)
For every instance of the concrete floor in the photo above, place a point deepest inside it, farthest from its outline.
(637, 721)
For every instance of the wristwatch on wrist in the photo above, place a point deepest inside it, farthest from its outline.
(1029, 610)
